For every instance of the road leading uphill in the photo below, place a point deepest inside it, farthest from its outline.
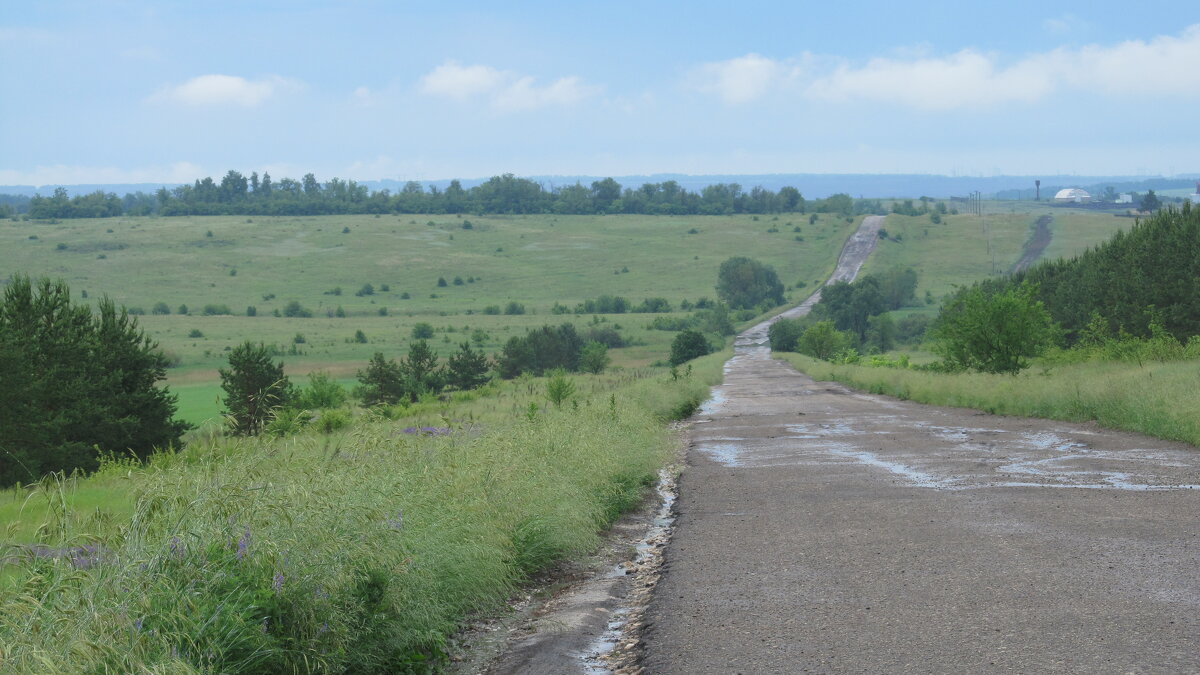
(823, 530)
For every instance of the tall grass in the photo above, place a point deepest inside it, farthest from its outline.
(1157, 398)
(358, 552)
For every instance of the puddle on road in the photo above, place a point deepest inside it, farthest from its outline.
(915, 476)
(728, 454)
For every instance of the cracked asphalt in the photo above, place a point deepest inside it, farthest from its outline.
(824, 530)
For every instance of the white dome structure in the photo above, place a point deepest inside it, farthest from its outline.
(1072, 195)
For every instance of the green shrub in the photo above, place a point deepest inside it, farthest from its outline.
(422, 331)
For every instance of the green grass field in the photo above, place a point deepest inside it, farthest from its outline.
(533, 260)
(965, 248)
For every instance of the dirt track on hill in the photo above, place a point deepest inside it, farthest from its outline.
(1036, 245)
(824, 530)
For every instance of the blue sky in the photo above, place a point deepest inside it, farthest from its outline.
(135, 91)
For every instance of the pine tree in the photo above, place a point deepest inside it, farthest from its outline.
(254, 388)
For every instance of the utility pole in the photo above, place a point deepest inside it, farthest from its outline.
(1038, 184)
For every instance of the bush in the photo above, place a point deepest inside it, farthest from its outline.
(540, 350)
(491, 309)
(360, 337)
(195, 333)
(183, 309)
(822, 340)
(994, 333)
(605, 335)
(688, 345)
(513, 308)
(160, 308)
(76, 383)
(559, 388)
(441, 282)
(422, 331)
(367, 289)
(251, 310)
(744, 283)
(215, 310)
(254, 388)
(785, 333)
(593, 358)
(294, 310)
(322, 392)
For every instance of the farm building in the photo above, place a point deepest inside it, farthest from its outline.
(1075, 195)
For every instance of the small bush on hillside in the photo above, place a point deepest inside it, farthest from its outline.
(593, 358)
(216, 310)
(688, 345)
(160, 308)
(294, 310)
(183, 309)
(367, 289)
(422, 331)
(251, 310)
(559, 388)
(514, 308)
(491, 309)
(322, 392)
(195, 333)
(441, 282)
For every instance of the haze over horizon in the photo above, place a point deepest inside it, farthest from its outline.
(137, 92)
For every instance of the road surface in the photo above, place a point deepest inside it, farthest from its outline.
(823, 530)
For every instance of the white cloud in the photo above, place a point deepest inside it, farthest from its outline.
(218, 90)
(1060, 24)
(743, 79)
(505, 90)
(970, 79)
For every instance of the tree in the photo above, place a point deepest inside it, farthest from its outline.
(850, 305)
(420, 371)
(823, 341)
(689, 344)
(994, 333)
(72, 382)
(1150, 202)
(254, 388)
(593, 358)
(422, 330)
(744, 283)
(467, 368)
(382, 382)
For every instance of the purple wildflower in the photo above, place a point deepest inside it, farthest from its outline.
(397, 522)
(243, 544)
(277, 583)
(137, 625)
(176, 547)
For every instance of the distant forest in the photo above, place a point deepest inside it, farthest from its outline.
(236, 194)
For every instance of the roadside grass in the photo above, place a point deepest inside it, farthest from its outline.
(358, 551)
(1158, 398)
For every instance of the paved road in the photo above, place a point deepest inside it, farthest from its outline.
(823, 530)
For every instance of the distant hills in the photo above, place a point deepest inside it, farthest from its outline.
(811, 185)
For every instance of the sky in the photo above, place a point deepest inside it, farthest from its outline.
(135, 91)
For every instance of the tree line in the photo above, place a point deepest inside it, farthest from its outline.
(237, 194)
(1148, 275)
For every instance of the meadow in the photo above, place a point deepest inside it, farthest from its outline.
(324, 262)
(964, 248)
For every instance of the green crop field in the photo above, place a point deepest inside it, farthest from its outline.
(322, 262)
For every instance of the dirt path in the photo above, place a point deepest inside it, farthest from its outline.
(1036, 245)
(823, 530)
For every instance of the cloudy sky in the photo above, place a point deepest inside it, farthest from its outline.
(137, 91)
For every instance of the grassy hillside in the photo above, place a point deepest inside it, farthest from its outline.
(357, 551)
(267, 262)
(965, 248)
